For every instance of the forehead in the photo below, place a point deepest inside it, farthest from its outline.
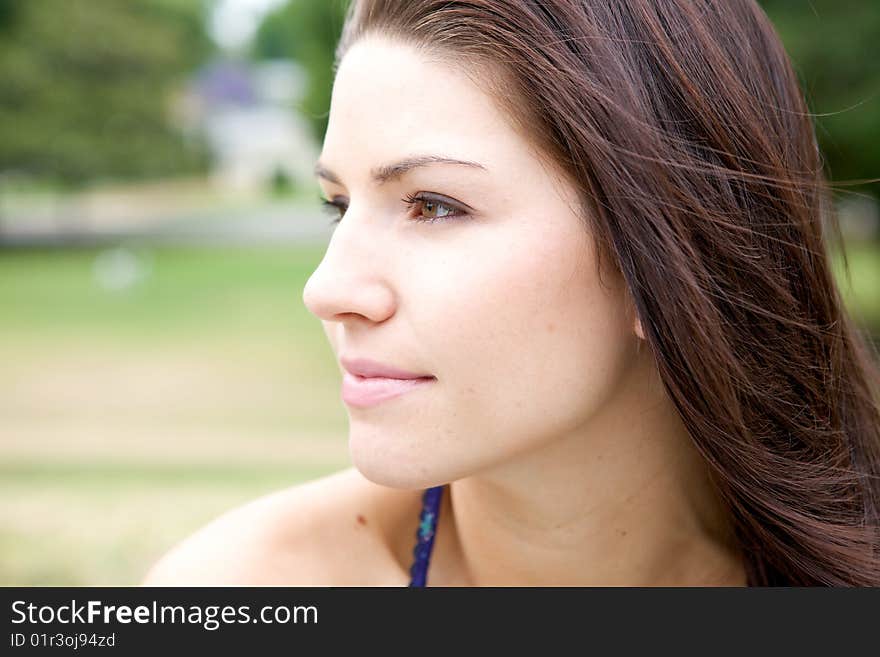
(389, 100)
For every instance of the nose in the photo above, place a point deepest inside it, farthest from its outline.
(351, 279)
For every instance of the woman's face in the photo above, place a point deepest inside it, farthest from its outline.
(501, 301)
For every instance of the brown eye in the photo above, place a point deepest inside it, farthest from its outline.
(430, 208)
(435, 210)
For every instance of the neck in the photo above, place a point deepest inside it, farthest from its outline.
(626, 501)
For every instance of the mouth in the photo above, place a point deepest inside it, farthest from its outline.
(366, 391)
(366, 368)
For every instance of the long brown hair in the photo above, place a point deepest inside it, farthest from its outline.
(683, 126)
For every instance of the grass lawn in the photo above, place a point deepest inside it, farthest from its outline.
(144, 391)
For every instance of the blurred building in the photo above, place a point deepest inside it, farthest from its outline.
(247, 113)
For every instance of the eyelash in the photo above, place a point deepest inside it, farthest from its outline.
(410, 200)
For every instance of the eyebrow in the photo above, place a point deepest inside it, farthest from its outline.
(388, 172)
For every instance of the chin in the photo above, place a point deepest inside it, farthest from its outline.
(388, 473)
(390, 468)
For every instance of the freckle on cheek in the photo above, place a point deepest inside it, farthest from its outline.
(551, 327)
(361, 520)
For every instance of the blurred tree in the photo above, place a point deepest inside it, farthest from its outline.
(7, 15)
(87, 84)
(835, 48)
(306, 31)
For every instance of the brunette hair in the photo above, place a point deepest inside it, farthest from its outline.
(682, 125)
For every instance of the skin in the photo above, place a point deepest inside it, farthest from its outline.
(567, 461)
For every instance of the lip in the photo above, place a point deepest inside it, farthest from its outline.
(362, 392)
(367, 382)
(364, 367)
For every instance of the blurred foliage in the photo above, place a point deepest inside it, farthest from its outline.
(306, 31)
(87, 86)
(7, 10)
(835, 48)
(87, 83)
(281, 184)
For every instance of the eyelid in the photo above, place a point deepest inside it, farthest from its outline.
(340, 204)
(439, 198)
(422, 197)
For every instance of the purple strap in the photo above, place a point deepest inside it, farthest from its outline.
(425, 535)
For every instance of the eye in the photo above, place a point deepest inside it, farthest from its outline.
(336, 207)
(433, 207)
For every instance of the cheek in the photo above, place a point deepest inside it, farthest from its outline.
(527, 341)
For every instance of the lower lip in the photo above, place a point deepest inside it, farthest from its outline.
(368, 391)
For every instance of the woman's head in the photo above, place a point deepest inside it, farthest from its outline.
(647, 169)
(497, 298)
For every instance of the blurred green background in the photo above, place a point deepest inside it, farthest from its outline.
(158, 221)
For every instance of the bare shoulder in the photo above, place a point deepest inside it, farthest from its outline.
(337, 530)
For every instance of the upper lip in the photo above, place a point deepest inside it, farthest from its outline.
(371, 368)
